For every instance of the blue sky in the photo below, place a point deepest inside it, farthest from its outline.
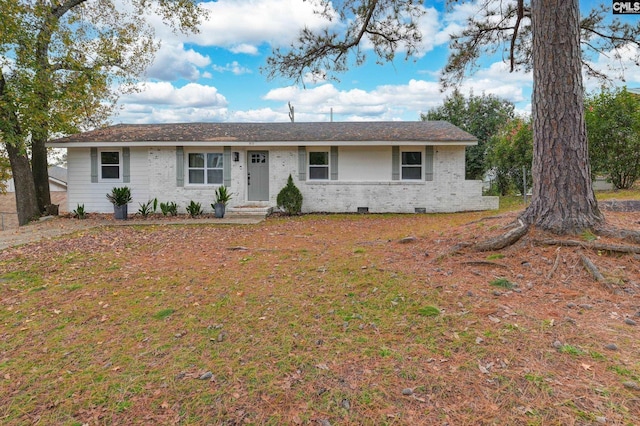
(215, 75)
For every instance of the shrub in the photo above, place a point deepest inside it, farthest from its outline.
(194, 209)
(223, 196)
(120, 196)
(146, 208)
(290, 198)
(79, 212)
(169, 209)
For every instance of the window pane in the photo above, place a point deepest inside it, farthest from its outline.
(258, 158)
(412, 158)
(196, 160)
(319, 158)
(110, 157)
(214, 176)
(196, 176)
(214, 161)
(318, 173)
(110, 172)
(411, 172)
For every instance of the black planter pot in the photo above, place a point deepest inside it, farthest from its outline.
(120, 212)
(218, 210)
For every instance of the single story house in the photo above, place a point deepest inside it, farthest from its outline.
(376, 167)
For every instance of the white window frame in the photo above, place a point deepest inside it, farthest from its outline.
(327, 167)
(404, 166)
(120, 165)
(205, 169)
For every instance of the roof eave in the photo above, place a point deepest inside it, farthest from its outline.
(133, 144)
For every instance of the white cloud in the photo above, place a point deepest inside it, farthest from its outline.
(400, 101)
(243, 25)
(623, 62)
(162, 102)
(233, 67)
(247, 49)
(264, 115)
(385, 102)
(497, 80)
(429, 26)
(173, 62)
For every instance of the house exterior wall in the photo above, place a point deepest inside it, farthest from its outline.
(447, 192)
(364, 179)
(81, 191)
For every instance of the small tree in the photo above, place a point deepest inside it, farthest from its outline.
(613, 129)
(481, 116)
(508, 153)
(290, 198)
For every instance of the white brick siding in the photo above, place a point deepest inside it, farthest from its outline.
(359, 184)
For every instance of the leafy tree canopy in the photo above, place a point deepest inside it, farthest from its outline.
(63, 64)
(613, 129)
(510, 154)
(479, 115)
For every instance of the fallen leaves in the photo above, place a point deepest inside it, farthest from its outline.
(186, 320)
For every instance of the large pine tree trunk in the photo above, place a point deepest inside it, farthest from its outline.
(563, 201)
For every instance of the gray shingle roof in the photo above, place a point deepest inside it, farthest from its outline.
(58, 173)
(431, 131)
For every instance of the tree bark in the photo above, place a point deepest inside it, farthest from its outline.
(43, 87)
(563, 201)
(40, 171)
(25, 190)
(12, 137)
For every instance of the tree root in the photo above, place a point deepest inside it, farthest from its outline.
(595, 273)
(501, 241)
(519, 229)
(621, 234)
(484, 263)
(555, 264)
(616, 248)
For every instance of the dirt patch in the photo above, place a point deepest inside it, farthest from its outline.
(9, 217)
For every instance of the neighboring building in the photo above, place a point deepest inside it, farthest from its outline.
(57, 180)
(403, 167)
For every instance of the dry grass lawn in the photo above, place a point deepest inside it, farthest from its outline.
(318, 320)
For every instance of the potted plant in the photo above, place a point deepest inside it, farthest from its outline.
(222, 198)
(120, 198)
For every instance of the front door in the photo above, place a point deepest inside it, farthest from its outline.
(258, 175)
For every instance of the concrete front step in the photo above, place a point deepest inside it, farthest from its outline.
(249, 210)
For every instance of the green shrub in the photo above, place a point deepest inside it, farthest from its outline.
(223, 196)
(120, 196)
(79, 212)
(194, 209)
(169, 209)
(146, 208)
(290, 198)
